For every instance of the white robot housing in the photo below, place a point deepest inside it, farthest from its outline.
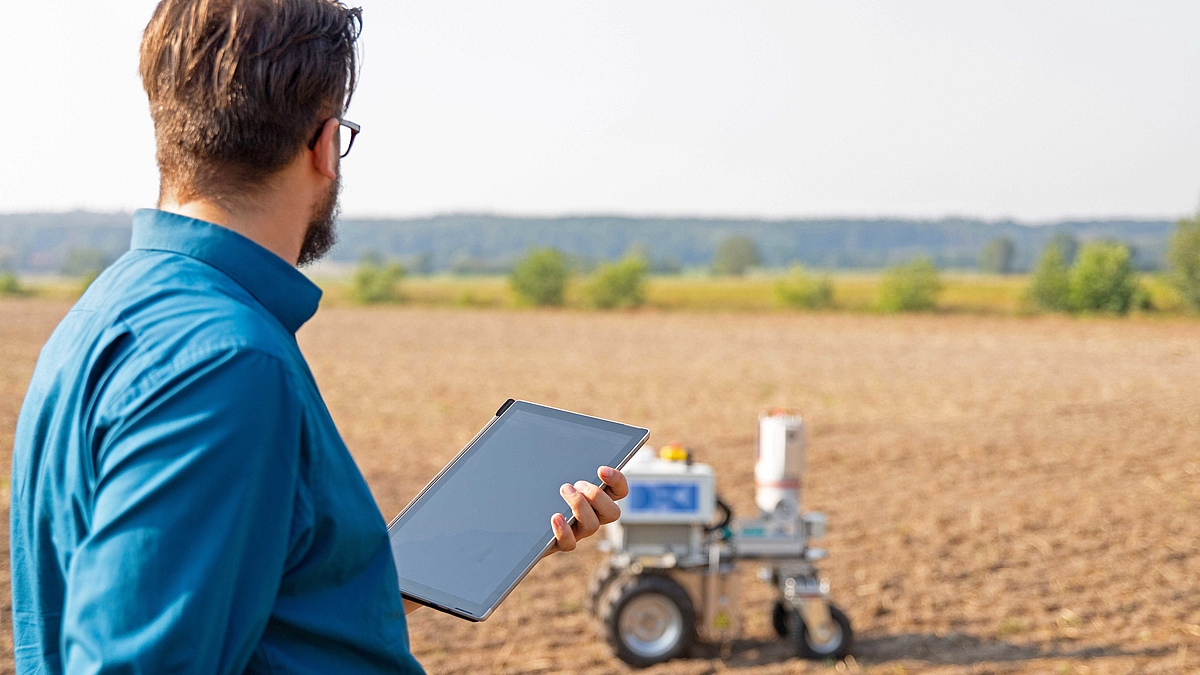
(668, 579)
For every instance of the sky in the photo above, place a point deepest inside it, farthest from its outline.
(1029, 109)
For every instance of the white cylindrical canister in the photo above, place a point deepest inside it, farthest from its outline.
(779, 466)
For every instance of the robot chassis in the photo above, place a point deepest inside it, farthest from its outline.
(668, 579)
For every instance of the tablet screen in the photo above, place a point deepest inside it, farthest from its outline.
(476, 530)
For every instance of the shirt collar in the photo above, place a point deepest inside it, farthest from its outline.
(281, 288)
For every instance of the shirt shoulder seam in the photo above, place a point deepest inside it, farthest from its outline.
(155, 375)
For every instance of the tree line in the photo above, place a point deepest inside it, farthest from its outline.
(491, 244)
(1070, 276)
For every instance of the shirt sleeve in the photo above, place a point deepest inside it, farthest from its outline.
(190, 523)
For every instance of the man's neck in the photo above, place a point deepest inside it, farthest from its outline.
(277, 214)
(270, 224)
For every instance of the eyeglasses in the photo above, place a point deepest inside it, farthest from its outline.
(344, 144)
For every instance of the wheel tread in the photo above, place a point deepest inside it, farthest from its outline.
(625, 588)
(799, 633)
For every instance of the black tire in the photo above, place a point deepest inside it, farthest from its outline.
(837, 648)
(603, 575)
(779, 619)
(637, 599)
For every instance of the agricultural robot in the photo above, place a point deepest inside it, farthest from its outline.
(668, 578)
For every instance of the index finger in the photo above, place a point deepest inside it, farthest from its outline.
(618, 487)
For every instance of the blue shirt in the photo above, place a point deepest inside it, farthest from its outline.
(181, 499)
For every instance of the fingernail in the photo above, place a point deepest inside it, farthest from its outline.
(567, 489)
(606, 472)
(581, 485)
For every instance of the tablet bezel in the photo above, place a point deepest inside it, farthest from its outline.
(450, 603)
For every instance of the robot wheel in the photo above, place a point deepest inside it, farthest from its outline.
(648, 619)
(788, 623)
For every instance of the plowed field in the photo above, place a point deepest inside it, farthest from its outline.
(1004, 495)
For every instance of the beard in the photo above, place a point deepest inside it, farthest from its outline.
(321, 234)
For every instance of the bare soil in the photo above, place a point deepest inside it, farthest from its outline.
(1005, 495)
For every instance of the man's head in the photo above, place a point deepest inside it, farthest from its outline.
(239, 88)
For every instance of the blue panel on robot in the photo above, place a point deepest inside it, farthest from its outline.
(664, 498)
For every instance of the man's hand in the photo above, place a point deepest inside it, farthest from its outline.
(591, 506)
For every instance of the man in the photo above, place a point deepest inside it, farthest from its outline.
(181, 499)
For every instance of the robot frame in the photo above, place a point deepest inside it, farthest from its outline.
(668, 579)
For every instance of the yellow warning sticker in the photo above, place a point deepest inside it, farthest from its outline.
(721, 620)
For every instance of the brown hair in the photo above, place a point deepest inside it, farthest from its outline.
(237, 87)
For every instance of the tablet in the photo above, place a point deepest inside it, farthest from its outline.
(482, 523)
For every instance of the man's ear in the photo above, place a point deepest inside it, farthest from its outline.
(325, 154)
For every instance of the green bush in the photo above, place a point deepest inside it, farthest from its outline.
(1103, 279)
(10, 284)
(912, 287)
(798, 289)
(376, 282)
(85, 263)
(619, 284)
(998, 256)
(540, 278)
(735, 255)
(1184, 258)
(1050, 288)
